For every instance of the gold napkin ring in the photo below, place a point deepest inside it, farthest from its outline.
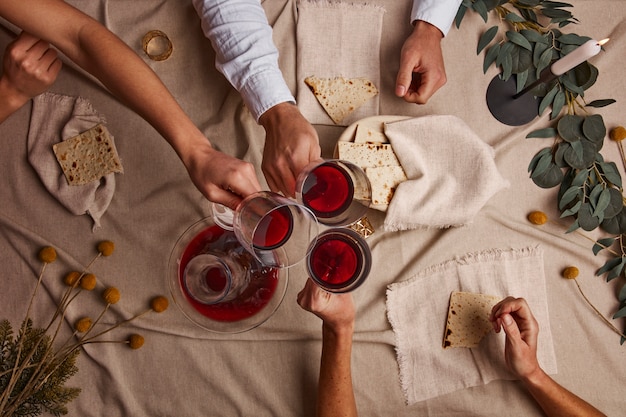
(363, 227)
(157, 45)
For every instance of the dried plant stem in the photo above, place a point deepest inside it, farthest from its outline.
(587, 237)
(606, 321)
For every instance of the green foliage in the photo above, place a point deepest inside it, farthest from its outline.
(30, 351)
(590, 189)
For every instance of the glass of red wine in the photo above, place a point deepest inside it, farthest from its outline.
(276, 230)
(212, 278)
(339, 260)
(337, 192)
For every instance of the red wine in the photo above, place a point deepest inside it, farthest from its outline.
(328, 191)
(335, 260)
(216, 279)
(254, 298)
(274, 229)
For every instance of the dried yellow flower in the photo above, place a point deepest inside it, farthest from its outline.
(571, 272)
(618, 133)
(538, 217)
(83, 325)
(71, 278)
(106, 247)
(159, 304)
(135, 341)
(111, 295)
(88, 282)
(47, 254)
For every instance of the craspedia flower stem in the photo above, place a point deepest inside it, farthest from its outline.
(598, 313)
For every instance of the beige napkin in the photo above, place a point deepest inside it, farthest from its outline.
(451, 173)
(336, 39)
(417, 310)
(55, 118)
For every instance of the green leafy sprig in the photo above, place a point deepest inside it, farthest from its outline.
(590, 188)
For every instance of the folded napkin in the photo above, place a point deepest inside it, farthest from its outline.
(336, 39)
(55, 118)
(451, 173)
(417, 310)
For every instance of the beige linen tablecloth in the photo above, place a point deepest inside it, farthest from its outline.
(183, 370)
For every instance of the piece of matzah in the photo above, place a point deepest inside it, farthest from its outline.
(384, 181)
(88, 156)
(367, 155)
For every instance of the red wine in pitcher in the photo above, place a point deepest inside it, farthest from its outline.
(328, 191)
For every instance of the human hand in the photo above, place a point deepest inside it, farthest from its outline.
(336, 310)
(30, 67)
(221, 178)
(422, 70)
(291, 143)
(521, 328)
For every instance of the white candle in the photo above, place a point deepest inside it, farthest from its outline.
(577, 56)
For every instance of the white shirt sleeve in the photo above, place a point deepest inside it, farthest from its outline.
(245, 52)
(439, 13)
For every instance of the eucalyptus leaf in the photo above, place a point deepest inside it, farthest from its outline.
(573, 39)
(460, 14)
(603, 244)
(548, 99)
(543, 164)
(580, 155)
(480, 8)
(514, 18)
(519, 39)
(486, 38)
(507, 67)
(593, 128)
(573, 227)
(580, 178)
(535, 160)
(548, 132)
(573, 210)
(557, 104)
(569, 196)
(608, 265)
(544, 60)
(622, 295)
(620, 313)
(601, 103)
(616, 271)
(616, 203)
(556, 14)
(521, 79)
(490, 56)
(586, 219)
(534, 36)
(555, 4)
(603, 201)
(505, 50)
(529, 3)
(570, 127)
(550, 178)
(572, 87)
(585, 75)
(615, 225)
(611, 173)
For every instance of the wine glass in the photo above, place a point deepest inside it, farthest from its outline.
(338, 192)
(276, 230)
(339, 261)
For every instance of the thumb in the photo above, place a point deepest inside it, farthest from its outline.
(510, 327)
(404, 78)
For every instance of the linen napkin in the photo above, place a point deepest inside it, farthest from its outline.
(451, 173)
(417, 310)
(337, 39)
(54, 118)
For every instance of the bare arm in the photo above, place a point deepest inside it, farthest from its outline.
(514, 316)
(101, 53)
(335, 397)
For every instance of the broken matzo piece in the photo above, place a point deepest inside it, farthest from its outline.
(384, 181)
(88, 156)
(468, 319)
(341, 96)
(367, 155)
(371, 132)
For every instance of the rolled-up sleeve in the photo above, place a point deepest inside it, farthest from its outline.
(245, 52)
(439, 13)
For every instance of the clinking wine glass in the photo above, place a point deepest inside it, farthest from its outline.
(339, 261)
(338, 192)
(277, 231)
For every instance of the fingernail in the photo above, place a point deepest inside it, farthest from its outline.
(400, 90)
(507, 319)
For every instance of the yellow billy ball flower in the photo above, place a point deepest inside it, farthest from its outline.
(135, 341)
(111, 295)
(538, 217)
(618, 133)
(159, 304)
(47, 254)
(88, 282)
(571, 272)
(106, 247)
(71, 278)
(83, 325)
